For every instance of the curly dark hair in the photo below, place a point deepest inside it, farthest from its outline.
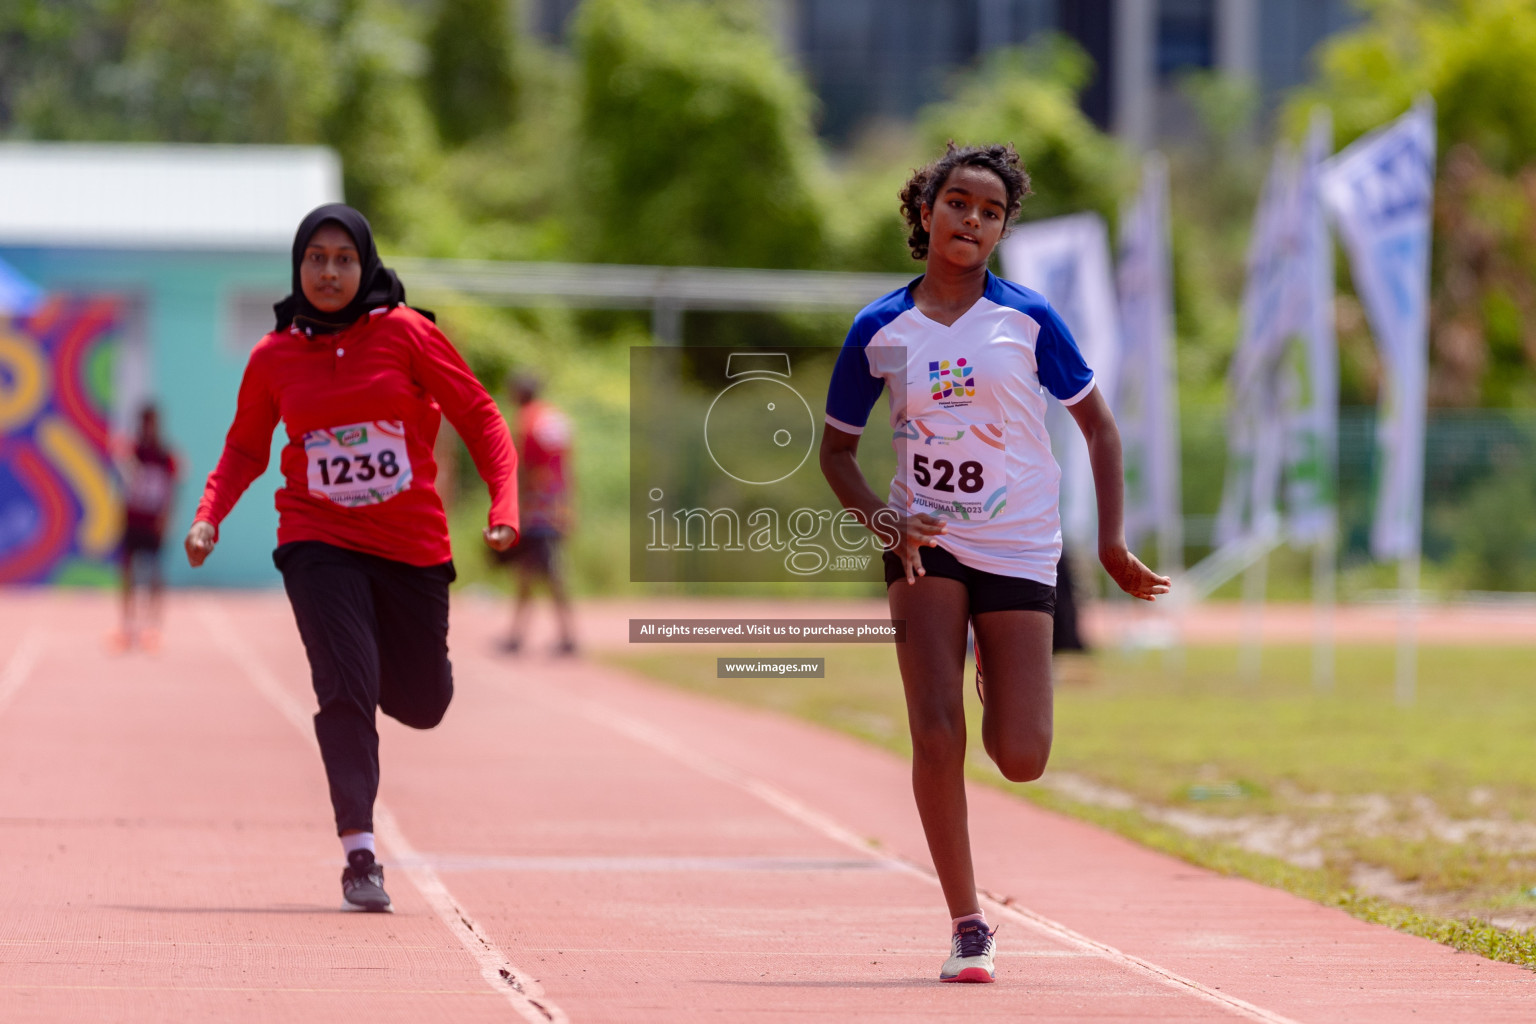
(923, 187)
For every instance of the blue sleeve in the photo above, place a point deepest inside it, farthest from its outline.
(854, 389)
(1063, 371)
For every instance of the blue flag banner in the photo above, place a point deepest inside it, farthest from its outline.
(1381, 193)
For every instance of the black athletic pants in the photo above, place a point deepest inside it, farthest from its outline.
(376, 632)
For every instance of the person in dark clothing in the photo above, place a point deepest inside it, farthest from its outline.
(361, 381)
(149, 469)
(1065, 632)
(543, 441)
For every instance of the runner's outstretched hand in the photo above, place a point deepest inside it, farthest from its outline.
(500, 537)
(921, 530)
(200, 541)
(1133, 577)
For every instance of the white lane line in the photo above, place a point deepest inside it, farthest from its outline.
(630, 865)
(478, 993)
(858, 954)
(519, 987)
(23, 660)
(656, 739)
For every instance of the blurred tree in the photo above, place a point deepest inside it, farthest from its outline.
(1495, 532)
(696, 137)
(378, 121)
(509, 193)
(1214, 181)
(35, 36)
(470, 81)
(166, 70)
(864, 224)
(342, 73)
(1028, 96)
(1477, 58)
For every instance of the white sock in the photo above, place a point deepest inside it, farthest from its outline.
(980, 915)
(357, 841)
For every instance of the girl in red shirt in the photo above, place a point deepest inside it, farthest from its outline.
(361, 381)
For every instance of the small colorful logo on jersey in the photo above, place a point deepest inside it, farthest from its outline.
(351, 437)
(951, 379)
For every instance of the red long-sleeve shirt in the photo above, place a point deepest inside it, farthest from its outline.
(362, 409)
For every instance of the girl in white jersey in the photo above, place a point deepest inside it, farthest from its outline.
(971, 521)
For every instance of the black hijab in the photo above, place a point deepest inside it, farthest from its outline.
(378, 286)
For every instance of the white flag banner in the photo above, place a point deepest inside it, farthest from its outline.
(1256, 427)
(1381, 193)
(1146, 400)
(1066, 259)
(1312, 455)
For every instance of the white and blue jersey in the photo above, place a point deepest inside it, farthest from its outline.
(968, 418)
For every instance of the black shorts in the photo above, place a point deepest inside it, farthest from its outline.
(139, 539)
(988, 591)
(535, 551)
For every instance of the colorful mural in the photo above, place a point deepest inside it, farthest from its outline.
(60, 510)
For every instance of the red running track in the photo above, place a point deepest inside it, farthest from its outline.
(572, 844)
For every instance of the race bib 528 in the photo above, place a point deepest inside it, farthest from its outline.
(953, 470)
(359, 464)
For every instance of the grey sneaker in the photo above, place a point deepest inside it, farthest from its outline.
(971, 952)
(362, 884)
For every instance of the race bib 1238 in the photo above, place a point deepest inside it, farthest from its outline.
(359, 464)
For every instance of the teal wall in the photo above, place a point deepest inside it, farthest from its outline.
(195, 368)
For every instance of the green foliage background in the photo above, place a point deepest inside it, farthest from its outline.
(679, 132)
(696, 145)
(470, 83)
(1477, 59)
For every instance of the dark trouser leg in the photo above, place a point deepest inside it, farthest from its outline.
(558, 594)
(156, 589)
(128, 585)
(415, 677)
(333, 604)
(1065, 635)
(520, 606)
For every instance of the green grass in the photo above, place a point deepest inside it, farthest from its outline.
(1153, 730)
(1439, 797)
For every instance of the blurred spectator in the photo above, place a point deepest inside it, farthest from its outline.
(149, 470)
(1065, 634)
(543, 438)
